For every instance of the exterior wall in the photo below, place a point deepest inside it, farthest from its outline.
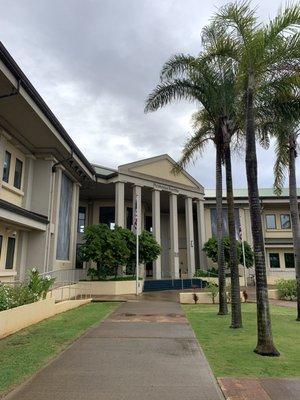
(8, 191)
(35, 243)
(282, 237)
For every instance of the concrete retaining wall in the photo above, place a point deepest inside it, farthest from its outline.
(21, 317)
(109, 287)
(203, 298)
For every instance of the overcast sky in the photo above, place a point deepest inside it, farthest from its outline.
(94, 63)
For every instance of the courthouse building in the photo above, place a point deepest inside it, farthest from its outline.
(49, 192)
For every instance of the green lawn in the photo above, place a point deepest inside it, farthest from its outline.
(230, 352)
(24, 352)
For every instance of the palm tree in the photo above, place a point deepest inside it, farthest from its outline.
(205, 132)
(259, 51)
(211, 84)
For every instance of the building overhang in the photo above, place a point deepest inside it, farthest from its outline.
(15, 215)
(26, 117)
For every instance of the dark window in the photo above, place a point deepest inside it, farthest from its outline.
(6, 166)
(1, 240)
(81, 219)
(107, 216)
(274, 260)
(18, 174)
(289, 260)
(271, 221)
(213, 215)
(10, 253)
(64, 223)
(129, 217)
(79, 261)
(148, 221)
(285, 221)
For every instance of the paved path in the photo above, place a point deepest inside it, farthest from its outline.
(144, 350)
(260, 389)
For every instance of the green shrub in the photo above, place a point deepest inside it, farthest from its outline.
(211, 250)
(287, 289)
(112, 249)
(34, 289)
(213, 289)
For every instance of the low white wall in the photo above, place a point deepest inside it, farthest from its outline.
(228, 280)
(274, 276)
(21, 317)
(203, 297)
(273, 294)
(97, 288)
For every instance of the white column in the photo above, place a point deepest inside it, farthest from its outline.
(156, 230)
(174, 236)
(201, 233)
(119, 204)
(190, 241)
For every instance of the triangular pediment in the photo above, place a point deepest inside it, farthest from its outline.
(160, 167)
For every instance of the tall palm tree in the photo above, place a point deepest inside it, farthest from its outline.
(205, 132)
(209, 83)
(259, 51)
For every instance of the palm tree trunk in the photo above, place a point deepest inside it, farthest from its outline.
(294, 212)
(223, 310)
(265, 344)
(236, 312)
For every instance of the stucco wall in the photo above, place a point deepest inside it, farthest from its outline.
(21, 317)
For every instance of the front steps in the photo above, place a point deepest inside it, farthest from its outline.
(173, 284)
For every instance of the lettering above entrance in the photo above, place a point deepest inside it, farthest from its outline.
(161, 167)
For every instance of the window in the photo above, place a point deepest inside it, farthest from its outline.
(18, 174)
(213, 216)
(1, 240)
(285, 221)
(274, 260)
(81, 219)
(6, 166)
(107, 216)
(289, 260)
(64, 223)
(129, 217)
(271, 221)
(10, 253)
(148, 221)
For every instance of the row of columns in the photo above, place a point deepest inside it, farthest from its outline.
(156, 226)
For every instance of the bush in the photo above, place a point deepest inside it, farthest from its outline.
(112, 249)
(287, 289)
(34, 289)
(211, 250)
(213, 289)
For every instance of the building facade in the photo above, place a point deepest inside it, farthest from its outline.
(49, 193)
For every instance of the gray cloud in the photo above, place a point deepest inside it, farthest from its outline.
(95, 61)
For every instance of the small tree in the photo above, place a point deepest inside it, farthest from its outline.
(111, 249)
(106, 247)
(211, 250)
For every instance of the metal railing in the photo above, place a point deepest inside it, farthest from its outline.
(71, 291)
(66, 276)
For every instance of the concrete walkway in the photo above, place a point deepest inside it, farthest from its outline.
(144, 350)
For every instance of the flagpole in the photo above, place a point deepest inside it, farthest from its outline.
(244, 255)
(137, 245)
(244, 261)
